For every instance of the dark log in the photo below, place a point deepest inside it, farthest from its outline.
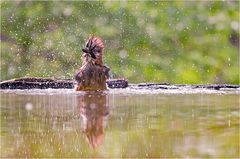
(178, 86)
(117, 83)
(44, 83)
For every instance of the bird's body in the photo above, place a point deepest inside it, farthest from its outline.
(93, 74)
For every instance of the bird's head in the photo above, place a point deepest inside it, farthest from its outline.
(94, 46)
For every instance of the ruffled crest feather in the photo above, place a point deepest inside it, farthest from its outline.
(93, 46)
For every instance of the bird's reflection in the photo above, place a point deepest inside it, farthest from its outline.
(94, 111)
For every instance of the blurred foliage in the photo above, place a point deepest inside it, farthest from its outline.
(147, 41)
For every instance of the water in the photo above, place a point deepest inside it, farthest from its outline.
(120, 123)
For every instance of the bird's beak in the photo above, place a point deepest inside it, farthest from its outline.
(89, 52)
(86, 50)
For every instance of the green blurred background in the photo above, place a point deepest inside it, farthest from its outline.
(174, 42)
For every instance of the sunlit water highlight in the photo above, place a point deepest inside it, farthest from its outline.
(120, 123)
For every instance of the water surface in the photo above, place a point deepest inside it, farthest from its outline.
(119, 123)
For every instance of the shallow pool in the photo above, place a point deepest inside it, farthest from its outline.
(120, 123)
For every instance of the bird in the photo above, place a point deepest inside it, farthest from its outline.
(93, 73)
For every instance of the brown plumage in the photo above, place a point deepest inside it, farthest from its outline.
(94, 111)
(93, 73)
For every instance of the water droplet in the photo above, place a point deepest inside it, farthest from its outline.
(67, 11)
(123, 54)
(29, 106)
